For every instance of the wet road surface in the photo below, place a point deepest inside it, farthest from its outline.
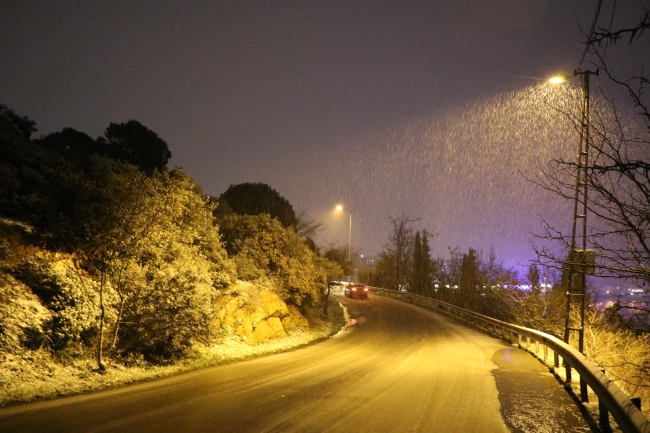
(398, 368)
(532, 400)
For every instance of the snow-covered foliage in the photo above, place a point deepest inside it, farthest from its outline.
(70, 298)
(22, 316)
(39, 290)
(36, 375)
(151, 244)
(261, 246)
(107, 267)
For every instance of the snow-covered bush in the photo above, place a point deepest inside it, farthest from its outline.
(160, 249)
(23, 318)
(261, 242)
(69, 295)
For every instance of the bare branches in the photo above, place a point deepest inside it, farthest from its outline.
(306, 226)
(618, 209)
(606, 36)
(618, 172)
(636, 85)
(399, 247)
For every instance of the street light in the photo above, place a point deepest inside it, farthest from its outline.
(558, 79)
(579, 262)
(341, 208)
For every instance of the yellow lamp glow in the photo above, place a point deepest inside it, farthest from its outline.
(558, 79)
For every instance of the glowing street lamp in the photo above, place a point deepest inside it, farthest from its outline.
(341, 208)
(558, 79)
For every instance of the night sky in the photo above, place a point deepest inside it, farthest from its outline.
(387, 107)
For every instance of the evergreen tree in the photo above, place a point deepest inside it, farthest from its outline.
(72, 144)
(416, 276)
(136, 144)
(533, 278)
(339, 255)
(427, 268)
(469, 279)
(259, 198)
(25, 125)
(421, 275)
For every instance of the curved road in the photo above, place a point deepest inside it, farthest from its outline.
(398, 368)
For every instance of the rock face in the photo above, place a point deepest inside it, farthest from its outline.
(256, 315)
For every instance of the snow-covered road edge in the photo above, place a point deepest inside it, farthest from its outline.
(38, 377)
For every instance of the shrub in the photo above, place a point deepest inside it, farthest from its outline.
(68, 294)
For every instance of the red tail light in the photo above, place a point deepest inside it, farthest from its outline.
(354, 289)
(365, 289)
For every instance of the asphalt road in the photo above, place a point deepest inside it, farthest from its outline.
(398, 368)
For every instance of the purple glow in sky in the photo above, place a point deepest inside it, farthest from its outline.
(383, 106)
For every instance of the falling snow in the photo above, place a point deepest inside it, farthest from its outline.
(463, 173)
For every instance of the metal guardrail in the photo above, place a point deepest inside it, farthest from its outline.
(611, 399)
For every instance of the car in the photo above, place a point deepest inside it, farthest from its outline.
(357, 291)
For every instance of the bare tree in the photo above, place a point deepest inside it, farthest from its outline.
(621, 169)
(617, 179)
(395, 261)
(306, 226)
(618, 171)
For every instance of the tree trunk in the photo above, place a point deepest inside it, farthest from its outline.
(100, 343)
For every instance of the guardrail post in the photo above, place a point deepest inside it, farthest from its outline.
(584, 394)
(603, 416)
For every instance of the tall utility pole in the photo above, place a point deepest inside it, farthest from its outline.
(581, 261)
(350, 248)
(341, 208)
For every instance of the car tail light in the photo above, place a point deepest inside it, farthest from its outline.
(354, 289)
(365, 289)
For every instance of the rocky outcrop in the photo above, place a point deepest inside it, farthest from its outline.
(256, 315)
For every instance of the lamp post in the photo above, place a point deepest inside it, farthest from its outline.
(341, 208)
(579, 261)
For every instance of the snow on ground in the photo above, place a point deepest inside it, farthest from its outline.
(34, 375)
